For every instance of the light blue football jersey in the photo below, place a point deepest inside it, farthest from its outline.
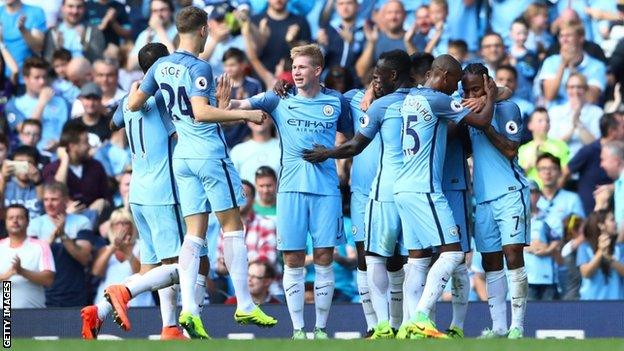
(454, 176)
(364, 165)
(303, 122)
(180, 76)
(148, 131)
(425, 113)
(384, 118)
(494, 175)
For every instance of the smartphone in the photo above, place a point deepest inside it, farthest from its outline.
(19, 167)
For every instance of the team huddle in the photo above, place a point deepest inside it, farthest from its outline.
(409, 136)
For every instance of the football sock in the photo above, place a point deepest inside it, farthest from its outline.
(460, 290)
(235, 256)
(200, 291)
(103, 309)
(156, 278)
(496, 284)
(187, 269)
(324, 282)
(367, 305)
(438, 277)
(518, 288)
(396, 297)
(168, 303)
(414, 284)
(377, 275)
(294, 289)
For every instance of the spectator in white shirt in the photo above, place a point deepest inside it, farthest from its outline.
(26, 262)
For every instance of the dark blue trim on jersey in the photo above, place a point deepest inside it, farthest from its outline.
(131, 137)
(178, 217)
(466, 221)
(176, 200)
(524, 210)
(436, 219)
(229, 182)
(433, 143)
(225, 147)
(378, 176)
(465, 165)
(516, 174)
(279, 176)
(141, 136)
(368, 227)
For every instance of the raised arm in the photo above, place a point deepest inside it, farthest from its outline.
(203, 112)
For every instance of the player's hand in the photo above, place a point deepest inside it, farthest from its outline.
(491, 90)
(474, 104)
(255, 116)
(367, 99)
(281, 88)
(224, 91)
(316, 155)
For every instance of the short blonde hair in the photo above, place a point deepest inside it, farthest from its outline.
(312, 51)
(575, 26)
(121, 215)
(580, 76)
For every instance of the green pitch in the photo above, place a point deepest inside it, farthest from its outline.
(326, 345)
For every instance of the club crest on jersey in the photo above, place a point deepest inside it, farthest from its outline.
(456, 106)
(364, 120)
(511, 127)
(454, 231)
(328, 110)
(201, 83)
(353, 230)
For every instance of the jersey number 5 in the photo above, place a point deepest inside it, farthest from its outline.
(184, 104)
(411, 132)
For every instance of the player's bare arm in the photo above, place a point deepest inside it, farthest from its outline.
(483, 118)
(349, 149)
(507, 147)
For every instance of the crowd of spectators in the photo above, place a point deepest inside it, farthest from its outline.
(67, 64)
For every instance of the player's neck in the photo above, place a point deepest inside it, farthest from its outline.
(310, 91)
(189, 44)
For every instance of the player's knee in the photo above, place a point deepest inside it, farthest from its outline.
(230, 220)
(170, 260)
(294, 259)
(395, 263)
(514, 256)
(492, 261)
(323, 256)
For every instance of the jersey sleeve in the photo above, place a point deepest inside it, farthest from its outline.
(350, 94)
(445, 107)
(583, 255)
(201, 80)
(164, 114)
(266, 102)
(46, 262)
(149, 84)
(38, 21)
(118, 119)
(509, 121)
(345, 123)
(371, 122)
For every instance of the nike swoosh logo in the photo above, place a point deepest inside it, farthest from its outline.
(512, 235)
(292, 107)
(420, 328)
(290, 287)
(445, 280)
(321, 287)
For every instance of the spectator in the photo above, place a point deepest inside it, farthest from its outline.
(569, 274)
(234, 65)
(92, 118)
(69, 237)
(507, 76)
(161, 29)
(4, 147)
(571, 58)
(106, 76)
(524, 60)
(79, 72)
(539, 38)
(555, 203)
(570, 16)
(23, 27)
(21, 181)
(266, 185)
(538, 125)
(503, 13)
(74, 34)
(221, 38)
(492, 52)
(259, 278)
(343, 43)
(50, 8)
(538, 256)
(27, 262)
(464, 22)
(40, 103)
(459, 50)
(586, 162)
(111, 18)
(612, 162)
(29, 135)
(61, 84)
(119, 260)
(601, 260)
(423, 21)
(437, 40)
(577, 121)
(7, 61)
(275, 29)
(84, 177)
(262, 149)
(339, 79)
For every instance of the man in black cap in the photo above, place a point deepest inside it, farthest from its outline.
(93, 117)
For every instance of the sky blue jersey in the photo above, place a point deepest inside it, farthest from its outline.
(425, 113)
(149, 131)
(301, 123)
(454, 176)
(181, 76)
(364, 165)
(494, 175)
(384, 118)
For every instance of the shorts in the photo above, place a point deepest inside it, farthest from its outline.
(460, 205)
(161, 230)
(301, 213)
(383, 228)
(358, 210)
(207, 185)
(427, 220)
(503, 221)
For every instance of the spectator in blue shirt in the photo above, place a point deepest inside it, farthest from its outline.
(21, 181)
(601, 259)
(612, 161)
(539, 38)
(524, 60)
(571, 58)
(492, 52)
(23, 28)
(111, 18)
(40, 103)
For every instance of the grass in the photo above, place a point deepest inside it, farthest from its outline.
(324, 345)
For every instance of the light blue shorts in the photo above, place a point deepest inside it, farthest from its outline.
(427, 220)
(460, 205)
(207, 185)
(358, 209)
(383, 228)
(503, 221)
(161, 230)
(301, 213)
